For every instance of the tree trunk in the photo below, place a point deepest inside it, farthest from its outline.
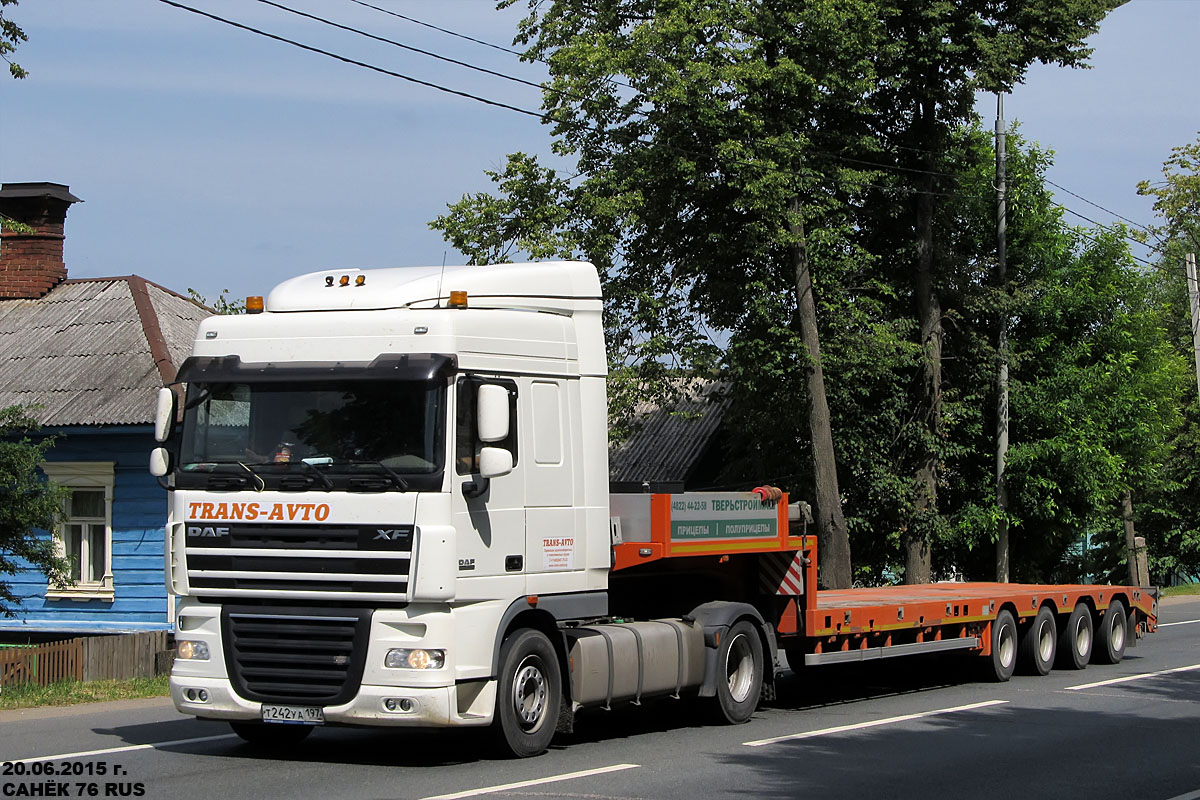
(918, 565)
(832, 538)
(1131, 548)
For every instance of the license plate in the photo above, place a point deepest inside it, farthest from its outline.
(294, 715)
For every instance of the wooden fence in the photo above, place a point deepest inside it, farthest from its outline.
(42, 664)
(93, 658)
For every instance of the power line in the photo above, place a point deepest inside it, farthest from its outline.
(1137, 225)
(363, 64)
(410, 48)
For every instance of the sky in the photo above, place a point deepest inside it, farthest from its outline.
(212, 158)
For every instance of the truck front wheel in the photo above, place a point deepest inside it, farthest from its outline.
(529, 695)
(739, 681)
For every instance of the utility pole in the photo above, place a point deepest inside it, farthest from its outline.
(1194, 301)
(1001, 352)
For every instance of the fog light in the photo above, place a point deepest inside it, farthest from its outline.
(415, 659)
(196, 695)
(203, 695)
(192, 651)
(400, 704)
(190, 694)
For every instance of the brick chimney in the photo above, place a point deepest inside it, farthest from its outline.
(31, 262)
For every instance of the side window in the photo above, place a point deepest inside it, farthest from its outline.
(467, 444)
(85, 534)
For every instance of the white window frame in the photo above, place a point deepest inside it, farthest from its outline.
(85, 475)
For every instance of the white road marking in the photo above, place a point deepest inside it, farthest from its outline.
(1128, 678)
(535, 782)
(872, 724)
(128, 748)
(1189, 796)
(1181, 622)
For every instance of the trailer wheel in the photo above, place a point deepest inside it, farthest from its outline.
(1039, 643)
(1075, 639)
(1112, 635)
(1003, 660)
(740, 677)
(262, 734)
(529, 695)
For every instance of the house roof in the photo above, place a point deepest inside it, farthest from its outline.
(92, 351)
(669, 442)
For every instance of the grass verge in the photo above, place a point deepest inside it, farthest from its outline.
(70, 693)
(1186, 589)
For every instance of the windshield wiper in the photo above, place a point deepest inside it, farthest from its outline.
(324, 478)
(401, 484)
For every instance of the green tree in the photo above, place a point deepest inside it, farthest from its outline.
(939, 56)
(27, 503)
(698, 128)
(1170, 518)
(11, 35)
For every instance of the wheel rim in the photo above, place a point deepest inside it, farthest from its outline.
(739, 668)
(1007, 645)
(1116, 633)
(1045, 642)
(1083, 638)
(529, 693)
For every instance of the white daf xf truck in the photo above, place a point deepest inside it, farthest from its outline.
(389, 506)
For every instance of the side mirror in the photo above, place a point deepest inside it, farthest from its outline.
(492, 413)
(494, 462)
(160, 462)
(164, 416)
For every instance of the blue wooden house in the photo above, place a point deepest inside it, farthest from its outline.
(88, 356)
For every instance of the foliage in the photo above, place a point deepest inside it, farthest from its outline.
(11, 35)
(221, 305)
(27, 503)
(721, 145)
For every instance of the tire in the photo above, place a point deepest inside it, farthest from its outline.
(1075, 639)
(1039, 643)
(1003, 660)
(261, 734)
(739, 675)
(529, 696)
(1112, 632)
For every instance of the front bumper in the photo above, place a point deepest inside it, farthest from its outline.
(466, 704)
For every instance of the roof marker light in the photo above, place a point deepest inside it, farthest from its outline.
(344, 280)
(329, 280)
(254, 304)
(458, 299)
(360, 280)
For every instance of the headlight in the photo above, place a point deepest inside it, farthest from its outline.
(192, 651)
(415, 659)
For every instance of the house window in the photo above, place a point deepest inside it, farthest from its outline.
(84, 536)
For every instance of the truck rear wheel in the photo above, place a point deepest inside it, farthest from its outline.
(1003, 659)
(1111, 637)
(1039, 643)
(529, 695)
(264, 735)
(740, 676)
(1075, 639)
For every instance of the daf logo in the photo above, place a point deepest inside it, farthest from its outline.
(393, 535)
(204, 530)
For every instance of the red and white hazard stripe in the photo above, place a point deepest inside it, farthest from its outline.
(782, 573)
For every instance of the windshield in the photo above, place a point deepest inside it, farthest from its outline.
(336, 426)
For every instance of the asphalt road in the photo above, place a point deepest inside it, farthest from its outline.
(894, 729)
